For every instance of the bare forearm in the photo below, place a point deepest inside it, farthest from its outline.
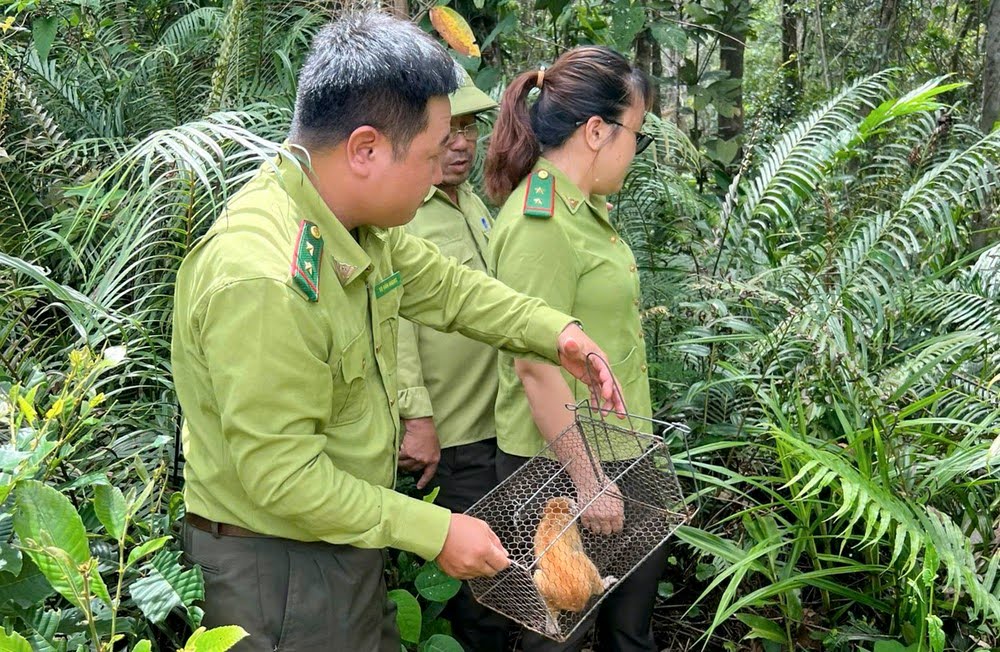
(548, 395)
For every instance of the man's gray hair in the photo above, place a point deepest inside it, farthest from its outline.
(370, 69)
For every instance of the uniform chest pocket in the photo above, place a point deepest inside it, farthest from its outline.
(351, 400)
(459, 250)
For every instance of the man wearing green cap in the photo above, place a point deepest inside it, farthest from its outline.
(448, 382)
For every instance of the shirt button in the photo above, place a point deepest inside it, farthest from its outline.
(635, 302)
(392, 402)
(642, 335)
(614, 239)
(631, 268)
(642, 368)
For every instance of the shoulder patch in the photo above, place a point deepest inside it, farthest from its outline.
(539, 198)
(306, 260)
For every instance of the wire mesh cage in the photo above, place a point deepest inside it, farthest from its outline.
(578, 517)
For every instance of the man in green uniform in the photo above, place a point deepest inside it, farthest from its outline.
(284, 353)
(448, 382)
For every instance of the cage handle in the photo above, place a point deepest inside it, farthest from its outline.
(616, 390)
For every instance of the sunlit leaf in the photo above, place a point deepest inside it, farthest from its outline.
(454, 29)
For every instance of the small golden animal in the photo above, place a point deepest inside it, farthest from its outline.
(565, 577)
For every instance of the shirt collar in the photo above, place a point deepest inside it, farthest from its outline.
(436, 192)
(350, 260)
(571, 195)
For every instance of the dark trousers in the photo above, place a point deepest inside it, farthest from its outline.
(295, 596)
(624, 617)
(465, 474)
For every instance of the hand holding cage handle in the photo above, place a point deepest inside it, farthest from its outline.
(602, 508)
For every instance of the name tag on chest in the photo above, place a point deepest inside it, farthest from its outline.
(387, 285)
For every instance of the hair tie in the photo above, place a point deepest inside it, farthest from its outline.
(540, 77)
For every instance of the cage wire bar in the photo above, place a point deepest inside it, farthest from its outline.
(562, 565)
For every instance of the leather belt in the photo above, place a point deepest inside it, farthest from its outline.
(224, 529)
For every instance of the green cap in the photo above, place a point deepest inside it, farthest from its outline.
(469, 99)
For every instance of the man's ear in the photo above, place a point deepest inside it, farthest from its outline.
(596, 132)
(362, 150)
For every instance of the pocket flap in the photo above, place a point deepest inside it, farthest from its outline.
(354, 362)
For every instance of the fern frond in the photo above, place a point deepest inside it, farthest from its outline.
(889, 520)
(965, 179)
(66, 94)
(796, 163)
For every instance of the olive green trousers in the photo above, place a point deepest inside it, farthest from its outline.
(294, 596)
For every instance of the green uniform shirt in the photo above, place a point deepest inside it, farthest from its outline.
(288, 386)
(446, 375)
(578, 263)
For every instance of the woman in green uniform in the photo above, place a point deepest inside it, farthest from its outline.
(551, 162)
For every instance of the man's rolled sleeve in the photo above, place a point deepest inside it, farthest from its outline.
(414, 400)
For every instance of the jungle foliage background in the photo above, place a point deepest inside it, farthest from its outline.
(817, 229)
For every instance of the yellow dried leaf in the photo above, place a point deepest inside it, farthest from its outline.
(27, 409)
(454, 30)
(56, 409)
(7, 24)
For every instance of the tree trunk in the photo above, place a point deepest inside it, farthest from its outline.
(732, 47)
(648, 58)
(991, 68)
(886, 28)
(791, 64)
(400, 8)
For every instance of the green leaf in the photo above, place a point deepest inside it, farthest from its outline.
(167, 586)
(217, 639)
(935, 633)
(146, 548)
(664, 590)
(11, 457)
(487, 78)
(705, 571)
(895, 646)
(408, 617)
(10, 559)
(764, 628)
(88, 480)
(435, 625)
(435, 585)
(723, 151)
(432, 495)
(143, 646)
(441, 643)
(27, 589)
(53, 533)
(175, 508)
(109, 504)
(43, 630)
(13, 642)
(508, 24)
(671, 37)
(696, 12)
(44, 32)
(626, 21)
(555, 7)
(6, 526)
